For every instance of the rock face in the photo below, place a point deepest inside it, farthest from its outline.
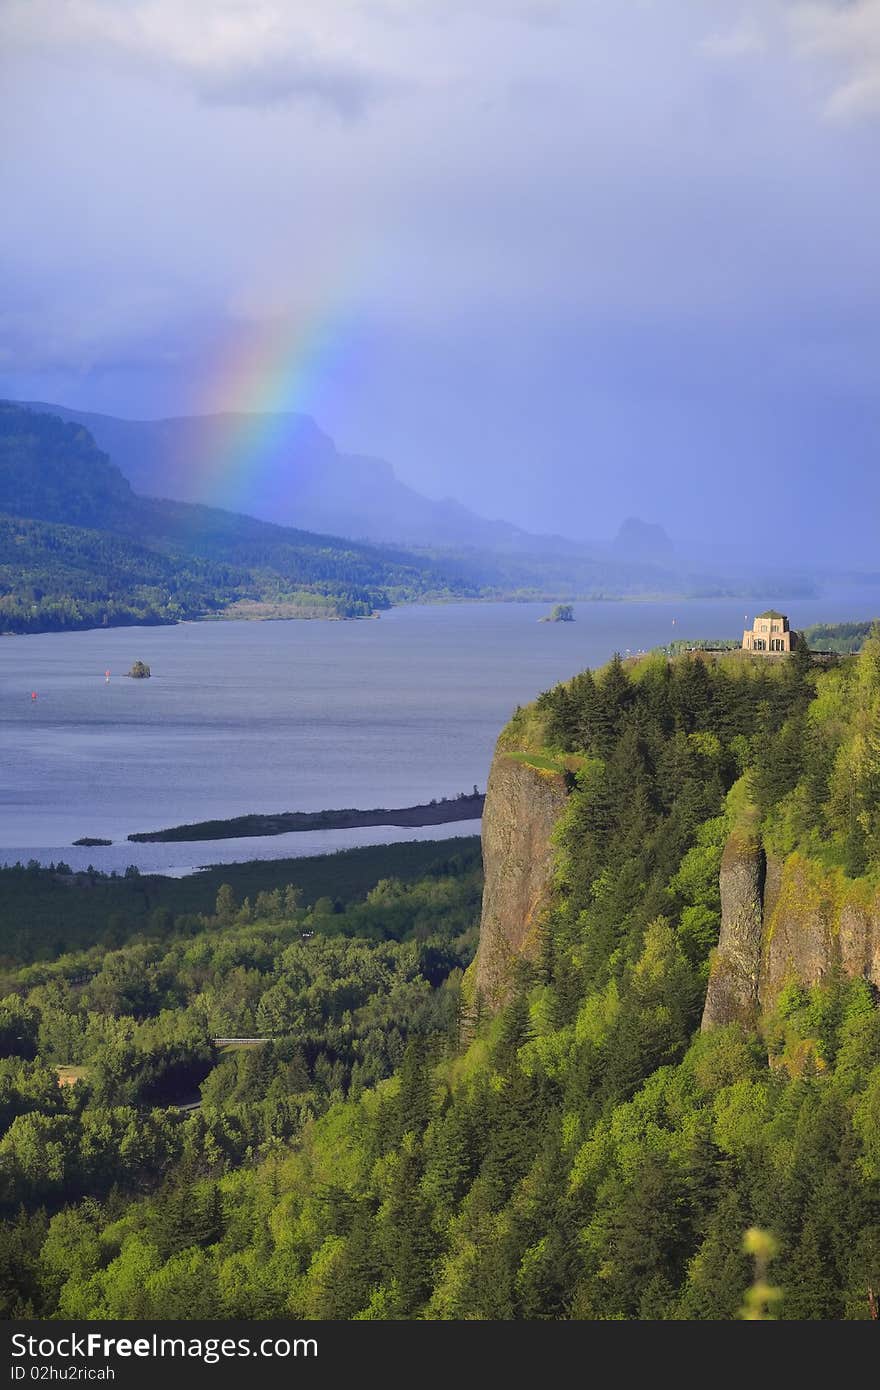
(523, 804)
(782, 921)
(734, 981)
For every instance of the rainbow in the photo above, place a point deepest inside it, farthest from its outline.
(257, 398)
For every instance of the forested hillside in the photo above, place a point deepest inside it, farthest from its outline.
(101, 1049)
(79, 549)
(398, 1151)
(302, 480)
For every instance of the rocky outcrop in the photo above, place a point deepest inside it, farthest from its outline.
(801, 939)
(783, 921)
(523, 804)
(735, 978)
(860, 938)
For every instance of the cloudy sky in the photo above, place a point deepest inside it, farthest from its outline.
(566, 260)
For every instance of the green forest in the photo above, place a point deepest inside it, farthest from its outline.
(840, 639)
(386, 1147)
(79, 549)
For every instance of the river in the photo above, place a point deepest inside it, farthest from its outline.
(295, 716)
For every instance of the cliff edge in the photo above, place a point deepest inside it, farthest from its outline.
(733, 994)
(523, 803)
(785, 920)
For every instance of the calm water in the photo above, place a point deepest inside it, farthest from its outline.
(252, 716)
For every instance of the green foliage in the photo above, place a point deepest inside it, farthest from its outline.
(79, 549)
(819, 786)
(843, 638)
(480, 1200)
(588, 1153)
(330, 998)
(760, 1297)
(48, 912)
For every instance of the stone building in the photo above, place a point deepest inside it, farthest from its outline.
(770, 633)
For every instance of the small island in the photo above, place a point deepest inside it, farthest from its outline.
(87, 841)
(140, 671)
(562, 613)
(465, 806)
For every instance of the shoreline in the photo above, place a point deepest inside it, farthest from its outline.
(444, 812)
(224, 616)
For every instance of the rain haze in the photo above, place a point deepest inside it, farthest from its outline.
(565, 262)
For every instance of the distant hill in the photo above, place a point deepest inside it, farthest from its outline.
(302, 479)
(643, 542)
(79, 548)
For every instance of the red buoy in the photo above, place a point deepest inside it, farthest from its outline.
(33, 694)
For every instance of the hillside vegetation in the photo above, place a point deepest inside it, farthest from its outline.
(78, 548)
(842, 639)
(585, 1152)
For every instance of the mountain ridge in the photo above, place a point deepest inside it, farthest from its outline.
(167, 458)
(189, 559)
(78, 547)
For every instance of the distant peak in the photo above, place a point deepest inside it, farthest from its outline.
(644, 541)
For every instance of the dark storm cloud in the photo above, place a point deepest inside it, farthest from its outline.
(284, 80)
(572, 260)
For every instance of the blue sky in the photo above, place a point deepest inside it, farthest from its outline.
(564, 261)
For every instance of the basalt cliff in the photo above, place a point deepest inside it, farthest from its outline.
(766, 916)
(523, 804)
(785, 920)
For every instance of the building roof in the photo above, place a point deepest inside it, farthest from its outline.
(771, 613)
